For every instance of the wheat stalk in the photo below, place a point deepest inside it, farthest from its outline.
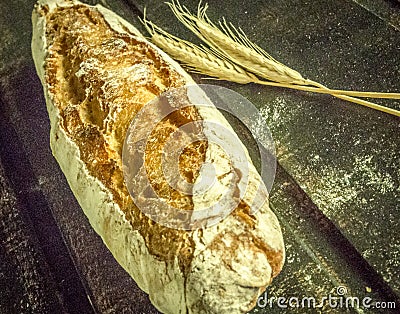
(240, 54)
(198, 59)
(232, 56)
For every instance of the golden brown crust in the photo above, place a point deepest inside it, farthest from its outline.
(98, 72)
(97, 100)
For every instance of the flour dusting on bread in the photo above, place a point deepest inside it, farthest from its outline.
(98, 72)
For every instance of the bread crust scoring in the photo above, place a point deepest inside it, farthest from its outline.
(97, 72)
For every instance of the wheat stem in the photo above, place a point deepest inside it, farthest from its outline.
(233, 57)
(359, 101)
(329, 91)
(370, 105)
(356, 93)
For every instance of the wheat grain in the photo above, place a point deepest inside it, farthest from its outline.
(198, 59)
(204, 63)
(233, 48)
(232, 56)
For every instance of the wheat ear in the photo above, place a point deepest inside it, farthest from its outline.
(235, 45)
(261, 65)
(232, 56)
(198, 59)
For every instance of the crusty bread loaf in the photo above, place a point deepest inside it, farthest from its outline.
(98, 71)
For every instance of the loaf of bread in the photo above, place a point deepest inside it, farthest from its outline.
(98, 72)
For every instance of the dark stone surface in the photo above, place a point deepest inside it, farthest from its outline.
(343, 156)
(28, 220)
(27, 284)
(337, 190)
